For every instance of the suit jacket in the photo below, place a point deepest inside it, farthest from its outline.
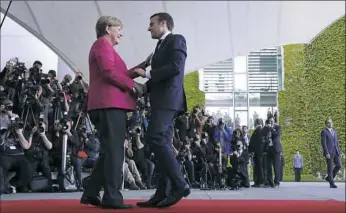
(110, 84)
(276, 137)
(166, 86)
(330, 142)
(256, 141)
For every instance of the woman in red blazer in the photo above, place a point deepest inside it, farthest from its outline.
(111, 94)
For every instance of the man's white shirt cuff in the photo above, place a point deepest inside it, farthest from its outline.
(147, 74)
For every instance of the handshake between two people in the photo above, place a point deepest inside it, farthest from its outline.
(139, 71)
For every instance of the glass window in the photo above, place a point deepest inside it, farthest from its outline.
(240, 64)
(221, 112)
(240, 119)
(240, 82)
(219, 99)
(240, 99)
(259, 112)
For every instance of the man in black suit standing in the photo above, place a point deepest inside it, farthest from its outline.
(331, 151)
(274, 151)
(256, 151)
(167, 99)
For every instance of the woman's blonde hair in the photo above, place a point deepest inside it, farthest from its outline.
(105, 21)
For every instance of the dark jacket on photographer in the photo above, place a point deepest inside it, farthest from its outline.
(92, 147)
(239, 159)
(74, 144)
(256, 141)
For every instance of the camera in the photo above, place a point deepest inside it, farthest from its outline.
(44, 79)
(19, 67)
(79, 78)
(135, 130)
(40, 127)
(17, 123)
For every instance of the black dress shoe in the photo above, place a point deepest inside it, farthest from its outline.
(175, 198)
(150, 203)
(122, 206)
(95, 201)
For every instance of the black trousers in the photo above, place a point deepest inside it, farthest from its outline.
(42, 165)
(146, 167)
(297, 174)
(273, 161)
(18, 164)
(107, 172)
(258, 169)
(333, 166)
(159, 137)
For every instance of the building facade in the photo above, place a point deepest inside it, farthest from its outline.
(244, 88)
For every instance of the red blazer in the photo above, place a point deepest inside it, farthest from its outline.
(110, 85)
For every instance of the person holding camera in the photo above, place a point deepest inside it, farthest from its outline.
(273, 148)
(12, 146)
(223, 135)
(185, 159)
(74, 145)
(145, 165)
(238, 175)
(38, 153)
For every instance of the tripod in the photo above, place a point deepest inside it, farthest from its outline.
(184, 172)
(83, 117)
(204, 177)
(26, 112)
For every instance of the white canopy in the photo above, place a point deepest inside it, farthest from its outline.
(214, 30)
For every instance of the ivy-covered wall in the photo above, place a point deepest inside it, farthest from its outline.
(325, 83)
(292, 108)
(193, 95)
(314, 91)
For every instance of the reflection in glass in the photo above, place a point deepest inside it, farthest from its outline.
(240, 99)
(259, 112)
(219, 99)
(221, 112)
(240, 119)
(240, 82)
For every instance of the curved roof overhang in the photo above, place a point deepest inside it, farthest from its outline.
(214, 30)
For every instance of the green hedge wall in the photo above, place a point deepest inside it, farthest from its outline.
(292, 108)
(314, 91)
(325, 78)
(193, 95)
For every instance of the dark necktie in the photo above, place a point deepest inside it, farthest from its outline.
(158, 45)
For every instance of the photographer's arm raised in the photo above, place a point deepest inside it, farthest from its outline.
(138, 142)
(23, 142)
(47, 143)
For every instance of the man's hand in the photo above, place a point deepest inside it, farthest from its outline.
(328, 156)
(140, 89)
(139, 72)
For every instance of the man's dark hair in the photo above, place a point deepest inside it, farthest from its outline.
(38, 63)
(165, 17)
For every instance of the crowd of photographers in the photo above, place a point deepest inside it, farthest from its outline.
(44, 129)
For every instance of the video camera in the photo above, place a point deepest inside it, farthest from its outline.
(16, 123)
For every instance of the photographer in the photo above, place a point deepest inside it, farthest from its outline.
(223, 135)
(35, 72)
(238, 175)
(145, 166)
(272, 136)
(256, 147)
(135, 182)
(73, 146)
(182, 125)
(209, 128)
(38, 153)
(196, 123)
(32, 105)
(185, 159)
(12, 146)
(78, 89)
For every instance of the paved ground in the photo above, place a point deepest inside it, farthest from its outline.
(287, 191)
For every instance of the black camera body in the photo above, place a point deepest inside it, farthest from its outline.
(135, 130)
(17, 123)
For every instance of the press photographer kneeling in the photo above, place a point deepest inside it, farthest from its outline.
(238, 175)
(12, 146)
(38, 157)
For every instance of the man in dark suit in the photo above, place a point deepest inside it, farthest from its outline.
(167, 98)
(331, 151)
(256, 150)
(273, 154)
